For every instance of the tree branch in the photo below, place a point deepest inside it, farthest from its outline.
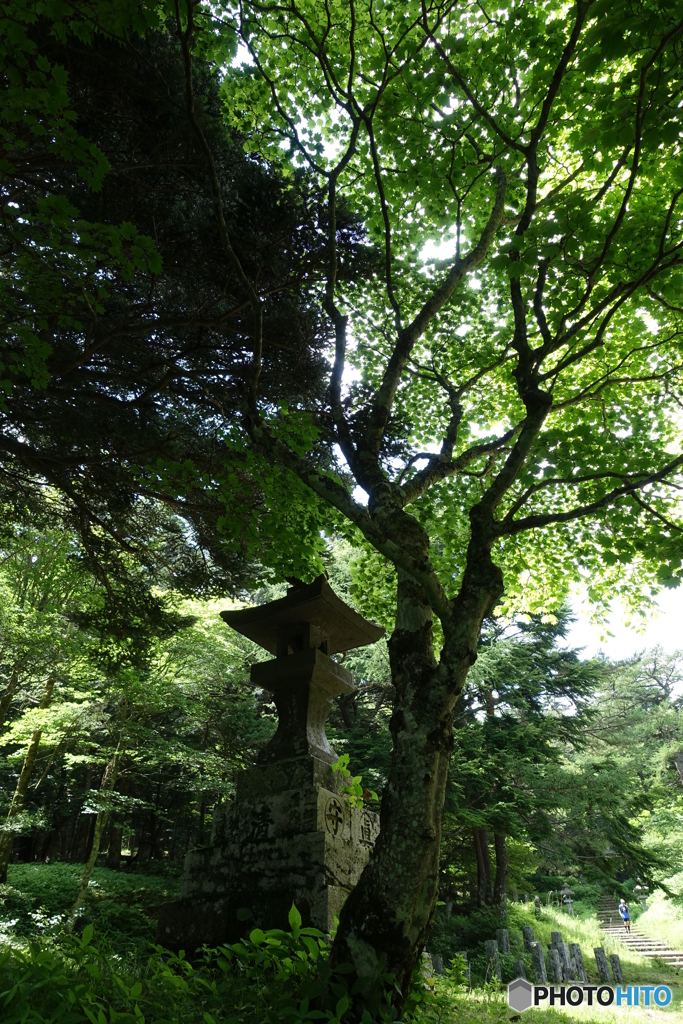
(387, 225)
(407, 338)
(440, 467)
(337, 496)
(511, 529)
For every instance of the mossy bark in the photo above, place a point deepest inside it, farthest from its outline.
(391, 909)
(8, 695)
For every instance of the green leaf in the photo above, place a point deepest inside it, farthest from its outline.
(294, 919)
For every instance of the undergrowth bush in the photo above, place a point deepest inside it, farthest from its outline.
(451, 935)
(272, 977)
(122, 906)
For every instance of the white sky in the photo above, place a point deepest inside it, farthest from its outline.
(664, 628)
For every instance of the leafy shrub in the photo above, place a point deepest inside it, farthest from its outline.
(121, 905)
(122, 929)
(15, 910)
(275, 977)
(449, 936)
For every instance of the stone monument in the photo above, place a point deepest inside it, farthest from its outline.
(539, 963)
(577, 957)
(289, 835)
(602, 965)
(493, 968)
(617, 972)
(555, 965)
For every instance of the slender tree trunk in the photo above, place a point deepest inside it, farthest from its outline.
(92, 824)
(347, 706)
(7, 696)
(106, 786)
(500, 888)
(486, 858)
(481, 885)
(116, 834)
(80, 831)
(17, 805)
(391, 909)
(678, 761)
(481, 852)
(114, 849)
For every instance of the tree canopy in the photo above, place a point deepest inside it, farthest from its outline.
(520, 352)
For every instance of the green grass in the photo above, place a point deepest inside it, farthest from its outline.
(663, 919)
(587, 932)
(475, 1008)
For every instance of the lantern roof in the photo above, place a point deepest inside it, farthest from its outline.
(334, 624)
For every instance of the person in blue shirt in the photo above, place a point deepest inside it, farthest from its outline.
(625, 916)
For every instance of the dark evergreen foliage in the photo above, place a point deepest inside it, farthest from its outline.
(145, 329)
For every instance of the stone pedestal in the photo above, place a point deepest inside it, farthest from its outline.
(555, 965)
(617, 972)
(493, 969)
(519, 970)
(288, 837)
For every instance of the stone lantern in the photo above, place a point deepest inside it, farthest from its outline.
(290, 835)
(641, 892)
(566, 893)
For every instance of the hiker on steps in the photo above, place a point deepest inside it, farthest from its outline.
(625, 916)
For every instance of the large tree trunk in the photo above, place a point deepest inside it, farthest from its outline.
(113, 860)
(90, 836)
(116, 833)
(387, 916)
(500, 888)
(17, 805)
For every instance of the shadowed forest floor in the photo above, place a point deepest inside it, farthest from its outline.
(122, 906)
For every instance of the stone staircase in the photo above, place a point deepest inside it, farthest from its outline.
(611, 923)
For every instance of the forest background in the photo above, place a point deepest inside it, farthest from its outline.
(565, 771)
(228, 356)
